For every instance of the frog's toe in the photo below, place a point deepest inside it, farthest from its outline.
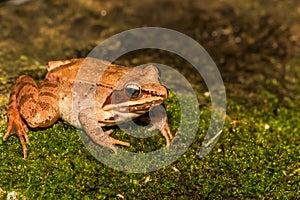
(109, 132)
(115, 141)
(119, 142)
(24, 145)
(167, 135)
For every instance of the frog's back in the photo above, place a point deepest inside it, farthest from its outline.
(63, 69)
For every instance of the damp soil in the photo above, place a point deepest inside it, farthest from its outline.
(253, 44)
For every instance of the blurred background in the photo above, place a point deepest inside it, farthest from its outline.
(251, 42)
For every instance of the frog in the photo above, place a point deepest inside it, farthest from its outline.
(35, 104)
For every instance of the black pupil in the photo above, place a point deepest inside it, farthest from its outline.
(132, 91)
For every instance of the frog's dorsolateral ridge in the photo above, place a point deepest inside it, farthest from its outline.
(40, 105)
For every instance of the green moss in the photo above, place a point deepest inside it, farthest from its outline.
(255, 157)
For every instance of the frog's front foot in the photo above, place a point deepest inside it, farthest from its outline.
(17, 126)
(103, 139)
(159, 121)
(115, 141)
(164, 129)
(96, 133)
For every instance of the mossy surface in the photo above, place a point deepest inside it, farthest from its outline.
(256, 157)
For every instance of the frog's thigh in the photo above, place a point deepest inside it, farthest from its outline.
(38, 105)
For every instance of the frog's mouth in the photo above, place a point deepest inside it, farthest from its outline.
(139, 106)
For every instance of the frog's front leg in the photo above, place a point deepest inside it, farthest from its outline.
(38, 106)
(159, 121)
(95, 132)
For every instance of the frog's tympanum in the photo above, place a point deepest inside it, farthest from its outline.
(41, 105)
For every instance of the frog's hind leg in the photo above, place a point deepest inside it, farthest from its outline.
(38, 106)
(16, 125)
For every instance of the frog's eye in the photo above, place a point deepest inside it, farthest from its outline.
(132, 91)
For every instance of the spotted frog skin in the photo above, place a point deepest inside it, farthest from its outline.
(118, 98)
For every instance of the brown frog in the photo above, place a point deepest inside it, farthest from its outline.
(117, 99)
